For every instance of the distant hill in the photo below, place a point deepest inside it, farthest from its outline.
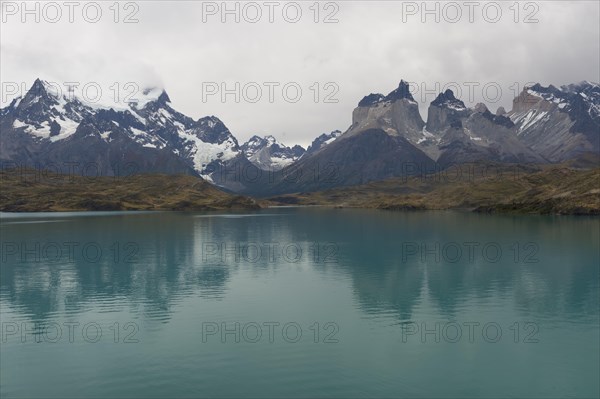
(503, 188)
(31, 192)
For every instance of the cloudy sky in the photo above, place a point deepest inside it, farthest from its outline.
(310, 74)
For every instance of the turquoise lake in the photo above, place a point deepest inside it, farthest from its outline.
(299, 302)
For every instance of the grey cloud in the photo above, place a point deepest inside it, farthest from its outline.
(369, 50)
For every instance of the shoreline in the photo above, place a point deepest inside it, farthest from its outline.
(56, 213)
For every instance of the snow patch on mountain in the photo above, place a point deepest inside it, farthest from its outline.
(204, 153)
(527, 119)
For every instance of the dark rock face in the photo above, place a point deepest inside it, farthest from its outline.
(498, 119)
(54, 129)
(371, 99)
(211, 130)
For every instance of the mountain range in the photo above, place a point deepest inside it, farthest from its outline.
(387, 138)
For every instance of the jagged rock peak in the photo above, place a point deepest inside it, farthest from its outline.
(371, 99)
(40, 90)
(447, 99)
(401, 92)
(164, 97)
(257, 141)
(38, 86)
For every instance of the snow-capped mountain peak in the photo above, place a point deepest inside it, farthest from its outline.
(46, 113)
(269, 154)
(45, 118)
(148, 96)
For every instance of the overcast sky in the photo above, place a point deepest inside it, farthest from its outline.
(187, 49)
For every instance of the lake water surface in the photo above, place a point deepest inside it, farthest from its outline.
(299, 302)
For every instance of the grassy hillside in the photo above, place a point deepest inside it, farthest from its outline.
(27, 192)
(504, 188)
(496, 188)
